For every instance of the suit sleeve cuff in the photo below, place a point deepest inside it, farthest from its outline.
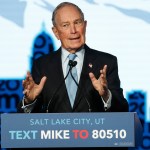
(27, 108)
(107, 104)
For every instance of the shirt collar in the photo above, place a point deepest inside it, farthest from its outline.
(65, 53)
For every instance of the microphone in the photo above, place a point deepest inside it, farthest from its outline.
(71, 64)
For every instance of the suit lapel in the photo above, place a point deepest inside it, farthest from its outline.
(57, 63)
(87, 67)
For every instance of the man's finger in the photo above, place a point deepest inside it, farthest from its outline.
(25, 92)
(92, 77)
(42, 82)
(28, 73)
(105, 70)
(24, 84)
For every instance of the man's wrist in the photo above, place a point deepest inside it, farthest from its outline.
(107, 104)
(28, 106)
(106, 96)
(27, 101)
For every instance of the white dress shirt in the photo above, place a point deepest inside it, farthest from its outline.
(79, 58)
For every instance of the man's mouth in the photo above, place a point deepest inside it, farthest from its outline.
(74, 38)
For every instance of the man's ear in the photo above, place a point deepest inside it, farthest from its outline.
(85, 23)
(55, 31)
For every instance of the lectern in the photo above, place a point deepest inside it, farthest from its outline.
(45, 130)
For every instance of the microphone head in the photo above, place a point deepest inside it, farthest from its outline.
(72, 63)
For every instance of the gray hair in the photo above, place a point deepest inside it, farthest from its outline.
(61, 5)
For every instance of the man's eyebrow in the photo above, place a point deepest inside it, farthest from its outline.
(73, 20)
(78, 19)
(65, 21)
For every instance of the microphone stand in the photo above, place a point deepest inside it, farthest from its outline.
(71, 64)
(81, 89)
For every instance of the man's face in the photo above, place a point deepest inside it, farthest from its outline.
(70, 28)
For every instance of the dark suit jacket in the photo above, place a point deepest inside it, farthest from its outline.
(51, 67)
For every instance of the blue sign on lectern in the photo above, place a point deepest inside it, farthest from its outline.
(70, 130)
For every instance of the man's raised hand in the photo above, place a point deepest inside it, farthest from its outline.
(31, 89)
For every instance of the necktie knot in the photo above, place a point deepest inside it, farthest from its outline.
(72, 56)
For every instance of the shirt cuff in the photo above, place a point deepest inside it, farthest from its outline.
(107, 104)
(27, 108)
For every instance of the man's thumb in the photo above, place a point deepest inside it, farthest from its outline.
(43, 80)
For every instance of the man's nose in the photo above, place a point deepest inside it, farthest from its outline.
(73, 29)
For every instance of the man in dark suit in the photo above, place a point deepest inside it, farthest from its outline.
(51, 67)
(98, 82)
